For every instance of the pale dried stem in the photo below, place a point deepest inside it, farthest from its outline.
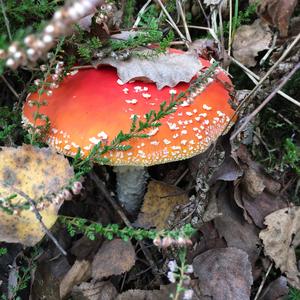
(213, 34)
(262, 80)
(171, 21)
(263, 281)
(141, 12)
(186, 29)
(230, 27)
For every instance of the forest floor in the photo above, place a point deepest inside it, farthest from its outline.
(223, 224)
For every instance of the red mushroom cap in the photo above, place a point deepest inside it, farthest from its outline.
(92, 105)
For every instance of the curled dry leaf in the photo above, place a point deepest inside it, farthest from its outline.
(165, 69)
(281, 238)
(249, 40)
(159, 202)
(277, 13)
(224, 274)
(37, 173)
(103, 290)
(113, 258)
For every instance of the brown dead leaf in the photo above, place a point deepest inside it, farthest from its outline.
(276, 290)
(79, 272)
(277, 13)
(164, 70)
(143, 295)
(236, 232)
(162, 294)
(36, 172)
(103, 290)
(224, 274)
(261, 206)
(280, 240)
(256, 193)
(159, 202)
(249, 40)
(113, 258)
(48, 275)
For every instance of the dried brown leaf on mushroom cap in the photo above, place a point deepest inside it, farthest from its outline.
(166, 70)
(37, 172)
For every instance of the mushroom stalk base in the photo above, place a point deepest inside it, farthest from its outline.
(131, 185)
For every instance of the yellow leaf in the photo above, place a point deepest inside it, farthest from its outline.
(37, 172)
(159, 202)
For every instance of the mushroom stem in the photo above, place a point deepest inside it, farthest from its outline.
(131, 185)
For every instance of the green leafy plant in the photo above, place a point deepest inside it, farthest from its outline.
(23, 275)
(294, 294)
(128, 13)
(3, 251)
(9, 122)
(292, 155)
(88, 48)
(150, 34)
(91, 229)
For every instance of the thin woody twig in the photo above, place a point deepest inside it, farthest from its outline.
(255, 78)
(262, 80)
(141, 12)
(263, 281)
(38, 217)
(266, 101)
(186, 29)
(6, 20)
(10, 87)
(119, 210)
(170, 19)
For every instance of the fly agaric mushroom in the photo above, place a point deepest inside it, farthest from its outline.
(91, 105)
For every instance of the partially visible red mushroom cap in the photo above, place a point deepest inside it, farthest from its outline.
(94, 105)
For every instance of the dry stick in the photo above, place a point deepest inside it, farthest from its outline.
(108, 197)
(10, 87)
(221, 33)
(281, 58)
(255, 77)
(186, 29)
(6, 20)
(204, 14)
(263, 281)
(38, 216)
(266, 101)
(170, 19)
(230, 27)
